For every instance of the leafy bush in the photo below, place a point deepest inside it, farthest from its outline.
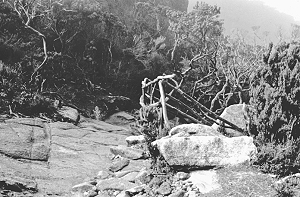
(279, 158)
(275, 95)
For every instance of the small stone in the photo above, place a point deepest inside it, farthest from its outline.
(119, 164)
(192, 194)
(182, 176)
(90, 193)
(194, 187)
(131, 177)
(127, 152)
(122, 173)
(115, 193)
(179, 193)
(123, 194)
(137, 189)
(83, 187)
(103, 174)
(164, 189)
(143, 176)
(114, 184)
(189, 189)
(132, 140)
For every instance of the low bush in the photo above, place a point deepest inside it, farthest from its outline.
(275, 95)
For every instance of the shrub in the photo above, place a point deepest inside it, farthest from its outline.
(279, 158)
(275, 95)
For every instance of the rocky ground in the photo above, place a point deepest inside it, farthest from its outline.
(49, 158)
(104, 159)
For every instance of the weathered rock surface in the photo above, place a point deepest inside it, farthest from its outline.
(205, 151)
(83, 187)
(114, 184)
(58, 155)
(119, 164)
(127, 152)
(185, 130)
(234, 114)
(22, 140)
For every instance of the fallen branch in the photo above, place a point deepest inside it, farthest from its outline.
(209, 112)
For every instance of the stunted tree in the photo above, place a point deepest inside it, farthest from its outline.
(237, 62)
(28, 11)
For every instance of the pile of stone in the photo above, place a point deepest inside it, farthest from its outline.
(190, 147)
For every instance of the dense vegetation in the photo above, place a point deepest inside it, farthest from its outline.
(82, 53)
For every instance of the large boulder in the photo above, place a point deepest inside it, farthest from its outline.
(58, 155)
(25, 139)
(186, 130)
(206, 151)
(235, 114)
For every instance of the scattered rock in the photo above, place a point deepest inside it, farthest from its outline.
(132, 140)
(122, 173)
(127, 152)
(90, 193)
(143, 177)
(185, 130)
(130, 176)
(123, 194)
(191, 194)
(206, 151)
(83, 187)
(119, 164)
(179, 193)
(136, 189)
(114, 184)
(236, 115)
(182, 176)
(103, 174)
(164, 189)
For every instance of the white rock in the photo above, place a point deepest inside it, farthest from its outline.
(205, 180)
(83, 187)
(131, 140)
(123, 194)
(204, 151)
(137, 189)
(237, 115)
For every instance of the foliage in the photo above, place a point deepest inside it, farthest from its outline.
(275, 95)
(281, 159)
